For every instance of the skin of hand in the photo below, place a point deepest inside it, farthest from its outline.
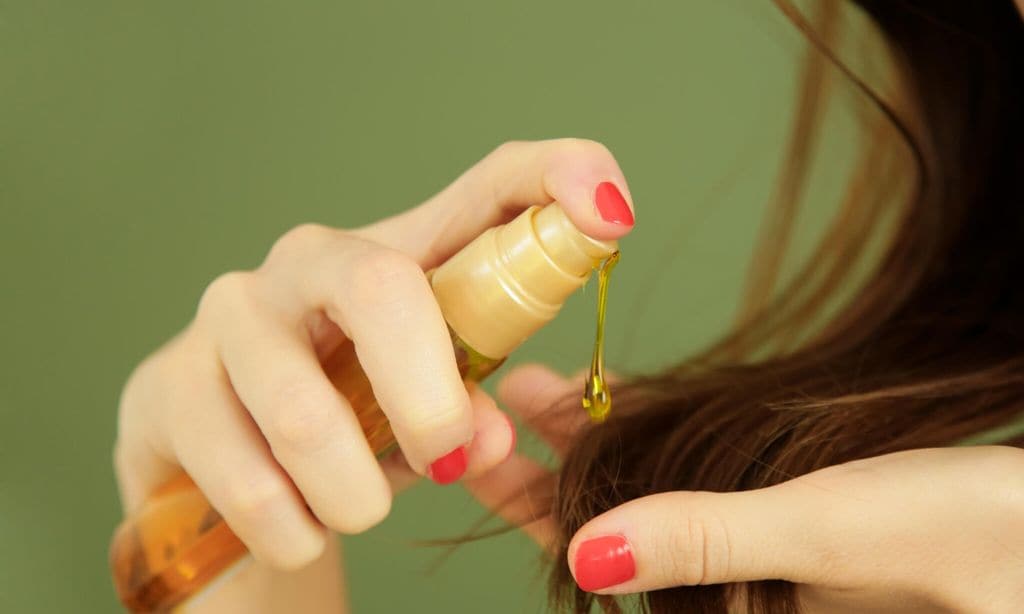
(929, 530)
(239, 399)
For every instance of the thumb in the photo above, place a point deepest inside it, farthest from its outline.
(581, 175)
(689, 538)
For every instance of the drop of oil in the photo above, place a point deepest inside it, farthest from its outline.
(597, 398)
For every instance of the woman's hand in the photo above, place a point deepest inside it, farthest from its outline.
(239, 399)
(924, 530)
(939, 528)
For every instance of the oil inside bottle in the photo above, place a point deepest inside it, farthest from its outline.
(597, 398)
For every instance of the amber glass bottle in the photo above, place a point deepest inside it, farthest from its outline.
(494, 293)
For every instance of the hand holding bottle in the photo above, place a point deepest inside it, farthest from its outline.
(240, 401)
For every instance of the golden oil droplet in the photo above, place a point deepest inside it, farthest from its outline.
(597, 398)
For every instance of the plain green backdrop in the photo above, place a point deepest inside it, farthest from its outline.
(148, 145)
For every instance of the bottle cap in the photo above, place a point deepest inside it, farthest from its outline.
(512, 280)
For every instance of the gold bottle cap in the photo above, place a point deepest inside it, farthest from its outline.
(512, 280)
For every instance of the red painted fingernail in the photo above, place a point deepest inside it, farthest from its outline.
(611, 205)
(449, 467)
(604, 561)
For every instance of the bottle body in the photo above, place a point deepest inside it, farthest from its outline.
(178, 542)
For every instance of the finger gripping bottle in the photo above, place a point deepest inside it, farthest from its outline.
(494, 293)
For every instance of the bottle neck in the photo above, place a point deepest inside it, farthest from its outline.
(513, 279)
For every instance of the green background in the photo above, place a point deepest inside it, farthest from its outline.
(148, 145)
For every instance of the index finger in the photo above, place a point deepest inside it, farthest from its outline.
(581, 175)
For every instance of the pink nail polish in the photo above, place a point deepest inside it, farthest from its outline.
(611, 204)
(449, 467)
(604, 561)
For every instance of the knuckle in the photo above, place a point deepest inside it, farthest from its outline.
(256, 499)
(299, 426)
(132, 397)
(146, 402)
(298, 239)
(258, 509)
(507, 149)
(378, 277)
(120, 458)
(227, 289)
(700, 551)
(578, 147)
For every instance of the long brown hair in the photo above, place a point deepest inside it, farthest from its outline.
(928, 350)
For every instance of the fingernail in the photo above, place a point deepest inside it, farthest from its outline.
(512, 429)
(449, 467)
(611, 205)
(604, 561)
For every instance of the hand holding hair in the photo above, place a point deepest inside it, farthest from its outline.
(936, 529)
